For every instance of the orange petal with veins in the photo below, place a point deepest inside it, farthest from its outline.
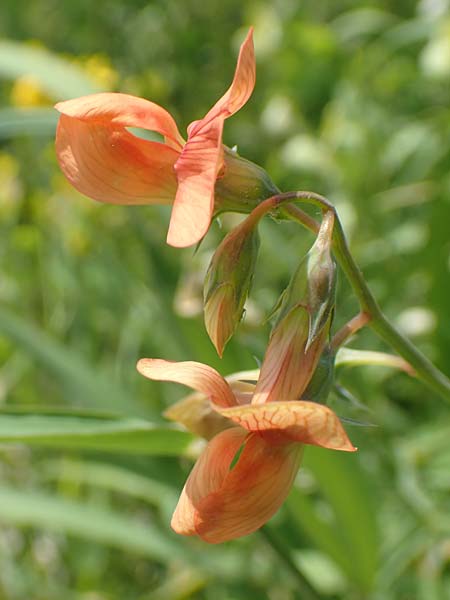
(202, 156)
(123, 110)
(197, 376)
(221, 502)
(287, 369)
(196, 170)
(106, 162)
(239, 91)
(300, 421)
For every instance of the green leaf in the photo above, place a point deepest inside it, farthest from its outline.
(52, 513)
(342, 481)
(94, 433)
(324, 536)
(89, 386)
(58, 78)
(114, 478)
(29, 508)
(27, 121)
(350, 538)
(351, 357)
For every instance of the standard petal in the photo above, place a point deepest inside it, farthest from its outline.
(202, 157)
(221, 502)
(123, 110)
(239, 91)
(206, 477)
(197, 376)
(196, 171)
(305, 422)
(109, 164)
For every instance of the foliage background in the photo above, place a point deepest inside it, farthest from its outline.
(352, 101)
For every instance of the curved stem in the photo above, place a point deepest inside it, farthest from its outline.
(424, 369)
(349, 329)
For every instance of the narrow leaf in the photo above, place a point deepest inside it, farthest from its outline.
(105, 434)
(58, 78)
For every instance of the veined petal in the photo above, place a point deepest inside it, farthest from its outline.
(300, 421)
(220, 502)
(206, 477)
(122, 110)
(202, 156)
(197, 376)
(198, 414)
(109, 164)
(196, 171)
(287, 368)
(239, 91)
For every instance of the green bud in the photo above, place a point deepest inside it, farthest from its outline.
(313, 284)
(242, 186)
(228, 281)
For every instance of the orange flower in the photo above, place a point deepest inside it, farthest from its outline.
(246, 471)
(104, 161)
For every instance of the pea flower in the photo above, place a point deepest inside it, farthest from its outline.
(247, 469)
(102, 159)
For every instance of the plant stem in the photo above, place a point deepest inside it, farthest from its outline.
(349, 329)
(305, 589)
(424, 369)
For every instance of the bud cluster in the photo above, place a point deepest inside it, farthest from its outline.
(298, 346)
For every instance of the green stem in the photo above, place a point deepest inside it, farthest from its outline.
(305, 589)
(349, 330)
(424, 369)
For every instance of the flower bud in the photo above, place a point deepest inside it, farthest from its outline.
(301, 330)
(321, 279)
(288, 364)
(242, 186)
(313, 284)
(228, 281)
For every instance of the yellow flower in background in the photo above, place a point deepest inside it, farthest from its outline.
(27, 91)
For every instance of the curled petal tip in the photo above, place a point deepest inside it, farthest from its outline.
(197, 376)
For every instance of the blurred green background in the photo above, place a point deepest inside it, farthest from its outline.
(352, 101)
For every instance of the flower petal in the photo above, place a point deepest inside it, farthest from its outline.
(239, 91)
(196, 171)
(197, 376)
(220, 502)
(305, 422)
(123, 110)
(202, 156)
(206, 477)
(287, 368)
(195, 412)
(109, 164)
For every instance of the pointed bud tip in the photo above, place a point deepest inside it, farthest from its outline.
(220, 315)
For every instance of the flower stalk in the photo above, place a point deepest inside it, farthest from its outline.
(424, 368)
